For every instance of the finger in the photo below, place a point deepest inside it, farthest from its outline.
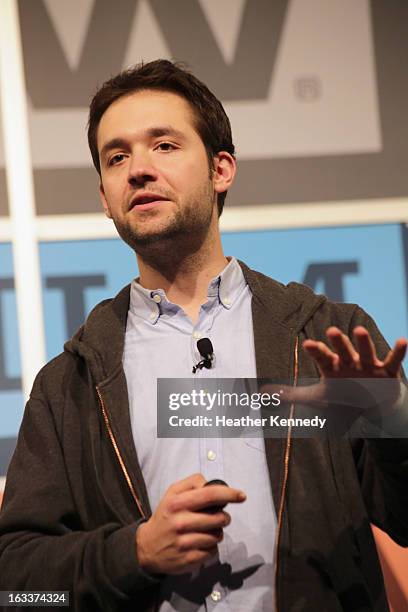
(195, 481)
(392, 363)
(366, 348)
(324, 357)
(205, 497)
(307, 394)
(202, 521)
(342, 345)
(201, 541)
(286, 392)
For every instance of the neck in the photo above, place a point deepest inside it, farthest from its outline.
(185, 276)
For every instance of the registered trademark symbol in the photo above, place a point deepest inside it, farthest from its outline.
(308, 88)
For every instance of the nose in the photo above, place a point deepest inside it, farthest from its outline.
(141, 170)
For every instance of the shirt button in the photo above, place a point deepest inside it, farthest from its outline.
(211, 455)
(227, 301)
(215, 596)
(153, 315)
(196, 335)
(157, 298)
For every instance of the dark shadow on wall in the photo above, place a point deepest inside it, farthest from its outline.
(331, 275)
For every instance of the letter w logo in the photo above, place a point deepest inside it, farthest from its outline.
(52, 84)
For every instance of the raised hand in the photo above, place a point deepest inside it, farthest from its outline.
(378, 386)
(346, 361)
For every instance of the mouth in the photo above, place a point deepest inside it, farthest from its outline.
(146, 200)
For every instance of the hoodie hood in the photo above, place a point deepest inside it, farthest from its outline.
(293, 304)
(100, 341)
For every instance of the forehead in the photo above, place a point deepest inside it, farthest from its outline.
(143, 110)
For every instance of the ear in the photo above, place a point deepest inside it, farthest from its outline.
(225, 168)
(104, 202)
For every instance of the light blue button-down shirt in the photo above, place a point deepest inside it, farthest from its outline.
(161, 342)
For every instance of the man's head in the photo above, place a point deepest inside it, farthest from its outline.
(209, 117)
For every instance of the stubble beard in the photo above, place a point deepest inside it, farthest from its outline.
(179, 237)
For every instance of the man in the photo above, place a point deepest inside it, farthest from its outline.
(95, 503)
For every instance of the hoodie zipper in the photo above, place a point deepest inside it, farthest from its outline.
(118, 454)
(285, 474)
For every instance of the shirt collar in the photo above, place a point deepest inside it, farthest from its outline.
(149, 304)
(229, 284)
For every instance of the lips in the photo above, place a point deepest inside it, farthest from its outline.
(146, 198)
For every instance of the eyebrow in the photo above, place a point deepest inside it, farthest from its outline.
(154, 132)
(114, 143)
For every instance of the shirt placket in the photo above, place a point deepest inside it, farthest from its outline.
(210, 448)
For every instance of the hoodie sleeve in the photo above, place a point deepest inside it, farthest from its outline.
(382, 463)
(43, 545)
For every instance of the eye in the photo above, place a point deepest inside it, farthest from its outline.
(166, 146)
(115, 159)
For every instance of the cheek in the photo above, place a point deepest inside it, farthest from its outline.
(189, 177)
(113, 188)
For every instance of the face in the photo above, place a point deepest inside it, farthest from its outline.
(156, 183)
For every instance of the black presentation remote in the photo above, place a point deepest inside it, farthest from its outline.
(214, 509)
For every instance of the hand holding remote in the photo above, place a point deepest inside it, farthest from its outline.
(186, 527)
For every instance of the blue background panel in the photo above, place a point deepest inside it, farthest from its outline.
(11, 397)
(110, 262)
(379, 286)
